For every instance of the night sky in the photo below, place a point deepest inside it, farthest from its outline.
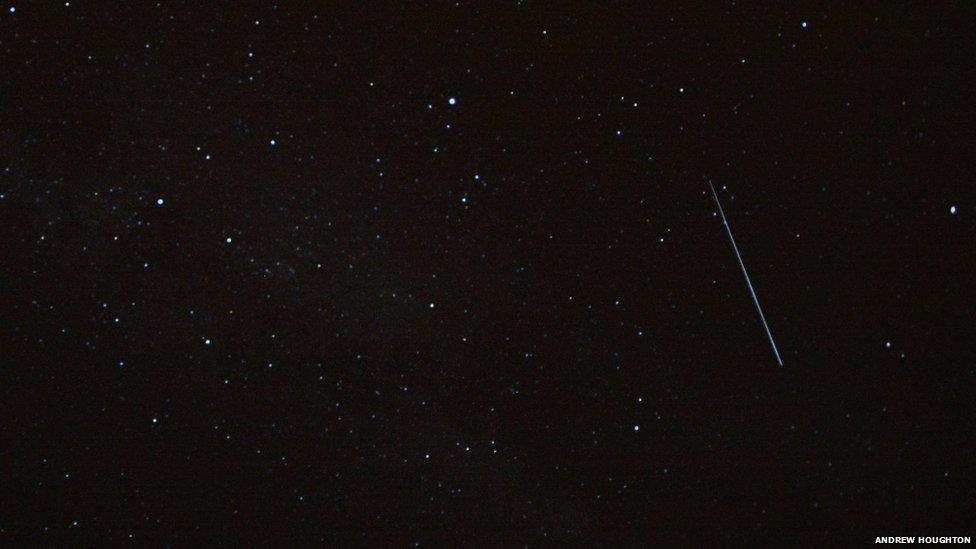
(322, 274)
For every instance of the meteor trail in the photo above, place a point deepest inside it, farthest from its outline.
(755, 298)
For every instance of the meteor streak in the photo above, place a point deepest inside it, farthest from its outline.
(755, 298)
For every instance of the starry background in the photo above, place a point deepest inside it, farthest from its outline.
(452, 272)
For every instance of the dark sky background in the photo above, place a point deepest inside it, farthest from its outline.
(452, 272)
